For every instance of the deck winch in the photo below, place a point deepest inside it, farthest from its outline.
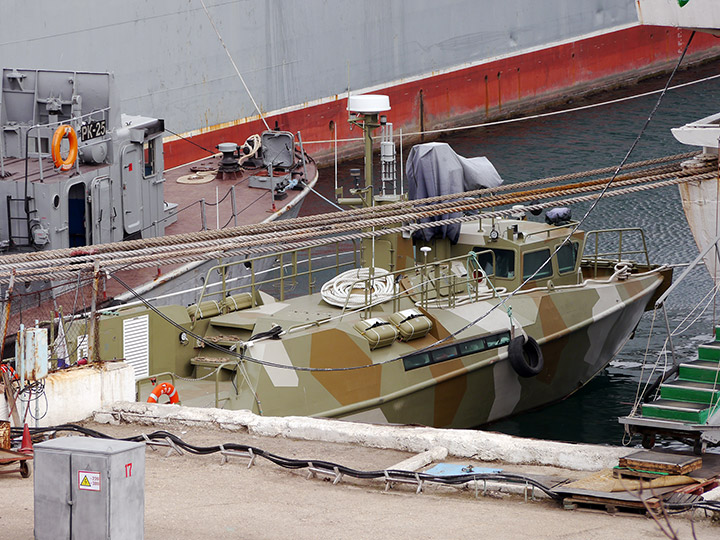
(229, 164)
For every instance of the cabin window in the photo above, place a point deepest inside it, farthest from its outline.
(417, 360)
(504, 262)
(445, 353)
(470, 347)
(567, 256)
(533, 261)
(149, 157)
(456, 350)
(498, 340)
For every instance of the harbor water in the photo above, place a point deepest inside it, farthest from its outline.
(589, 139)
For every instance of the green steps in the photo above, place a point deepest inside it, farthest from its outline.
(690, 397)
(709, 351)
(681, 411)
(700, 371)
(691, 391)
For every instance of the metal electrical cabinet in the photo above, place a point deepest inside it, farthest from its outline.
(90, 489)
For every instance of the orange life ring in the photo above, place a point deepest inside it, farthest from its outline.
(163, 388)
(60, 133)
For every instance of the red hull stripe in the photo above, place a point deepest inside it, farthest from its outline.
(481, 92)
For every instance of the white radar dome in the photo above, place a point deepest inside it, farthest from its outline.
(368, 103)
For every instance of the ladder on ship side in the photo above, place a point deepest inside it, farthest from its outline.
(18, 222)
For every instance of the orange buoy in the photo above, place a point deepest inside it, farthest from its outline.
(164, 388)
(60, 133)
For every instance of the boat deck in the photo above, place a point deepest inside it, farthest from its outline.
(186, 186)
(196, 200)
(210, 200)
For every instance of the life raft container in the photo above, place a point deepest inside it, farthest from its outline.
(60, 133)
(411, 324)
(378, 332)
(163, 388)
(525, 356)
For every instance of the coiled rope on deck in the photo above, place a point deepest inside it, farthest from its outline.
(353, 289)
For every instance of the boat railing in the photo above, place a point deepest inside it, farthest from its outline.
(37, 138)
(292, 267)
(441, 283)
(624, 243)
(551, 230)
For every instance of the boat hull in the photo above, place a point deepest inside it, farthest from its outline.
(496, 87)
(579, 332)
(497, 391)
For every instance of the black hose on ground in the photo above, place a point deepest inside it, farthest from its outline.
(290, 463)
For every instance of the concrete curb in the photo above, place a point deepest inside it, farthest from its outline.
(484, 446)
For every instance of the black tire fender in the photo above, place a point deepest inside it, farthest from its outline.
(525, 356)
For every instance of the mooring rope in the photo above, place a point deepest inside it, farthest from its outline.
(382, 215)
(318, 235)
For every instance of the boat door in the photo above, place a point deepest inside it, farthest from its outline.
(131, 189)
(103, 213)
(77, 233)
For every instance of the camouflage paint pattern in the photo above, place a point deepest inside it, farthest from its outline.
(579, 323)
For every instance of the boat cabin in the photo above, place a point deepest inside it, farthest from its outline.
(511, 251)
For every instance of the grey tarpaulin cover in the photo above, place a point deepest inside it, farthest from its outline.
(435, 169)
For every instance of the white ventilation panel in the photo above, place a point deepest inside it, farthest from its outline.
(136, 345)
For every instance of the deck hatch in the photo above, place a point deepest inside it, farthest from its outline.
(456, 350)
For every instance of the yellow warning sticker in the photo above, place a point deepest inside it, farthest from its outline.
(89, 480)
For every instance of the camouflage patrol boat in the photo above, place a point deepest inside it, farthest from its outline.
(435, 333)
(412, 312)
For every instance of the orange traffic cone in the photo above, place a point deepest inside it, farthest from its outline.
(26, 445)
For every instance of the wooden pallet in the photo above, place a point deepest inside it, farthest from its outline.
(613, 505)
(629, 501)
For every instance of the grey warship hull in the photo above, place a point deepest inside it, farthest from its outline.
(440, 62)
